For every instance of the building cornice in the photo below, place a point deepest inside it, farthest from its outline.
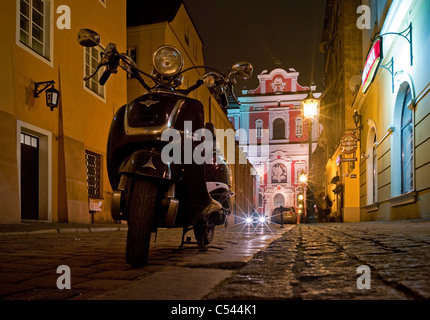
(275, 98)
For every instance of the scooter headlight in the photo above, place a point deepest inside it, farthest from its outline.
(168, 61)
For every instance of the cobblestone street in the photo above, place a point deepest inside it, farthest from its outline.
(320, 262)
(303, 262)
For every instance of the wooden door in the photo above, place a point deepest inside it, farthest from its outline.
(29, 177)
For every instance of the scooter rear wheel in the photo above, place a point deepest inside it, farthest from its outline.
(204, 234)
(141, 216)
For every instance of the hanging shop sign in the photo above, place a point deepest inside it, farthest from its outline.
(349, 144)
(372, 64)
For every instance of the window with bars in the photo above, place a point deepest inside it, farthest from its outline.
(93, 162)
(34, 25)
(92, 58)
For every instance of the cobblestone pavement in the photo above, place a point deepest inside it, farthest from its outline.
(319, 262)
(30, 256)
(306, 262)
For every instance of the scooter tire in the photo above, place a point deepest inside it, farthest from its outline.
(141, 217)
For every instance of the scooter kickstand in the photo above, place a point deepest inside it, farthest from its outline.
(184, 232)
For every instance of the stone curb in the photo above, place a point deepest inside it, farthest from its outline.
(64, 231)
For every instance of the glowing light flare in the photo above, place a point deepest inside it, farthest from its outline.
(303, 178)
(310, 108)
(256, 221)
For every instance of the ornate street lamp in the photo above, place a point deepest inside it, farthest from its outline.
(310, 107)
(310, 110)
(52, 94)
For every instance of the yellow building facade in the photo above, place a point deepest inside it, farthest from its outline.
(395, 111)
(376, 69)
(53, 162)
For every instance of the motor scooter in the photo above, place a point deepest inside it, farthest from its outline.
(152, 186)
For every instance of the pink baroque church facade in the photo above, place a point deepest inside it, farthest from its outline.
(272, 132)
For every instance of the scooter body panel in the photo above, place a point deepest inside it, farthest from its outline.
(135, 147)
(140, 124)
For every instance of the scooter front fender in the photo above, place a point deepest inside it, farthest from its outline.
(146, 163)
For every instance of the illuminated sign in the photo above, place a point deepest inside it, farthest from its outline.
(371, 66)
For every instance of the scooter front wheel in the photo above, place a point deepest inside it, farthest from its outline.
(141, 216)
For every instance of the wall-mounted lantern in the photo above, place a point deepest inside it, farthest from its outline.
(52, 94)
(357, 120)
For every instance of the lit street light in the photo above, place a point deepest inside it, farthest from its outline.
(303, 178)
(310, 109)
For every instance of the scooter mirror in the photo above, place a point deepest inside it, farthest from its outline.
(209, 81)
(242, 69)
(88, 38)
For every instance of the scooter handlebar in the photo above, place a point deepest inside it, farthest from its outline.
(105, 77)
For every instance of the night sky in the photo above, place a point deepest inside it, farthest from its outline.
(262, 32)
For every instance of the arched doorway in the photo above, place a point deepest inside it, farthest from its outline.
(279, 200)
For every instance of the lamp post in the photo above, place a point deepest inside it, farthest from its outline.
(310, 109)
(303, 178)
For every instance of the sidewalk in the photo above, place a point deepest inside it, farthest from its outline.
(98, 268)
(41, 228)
